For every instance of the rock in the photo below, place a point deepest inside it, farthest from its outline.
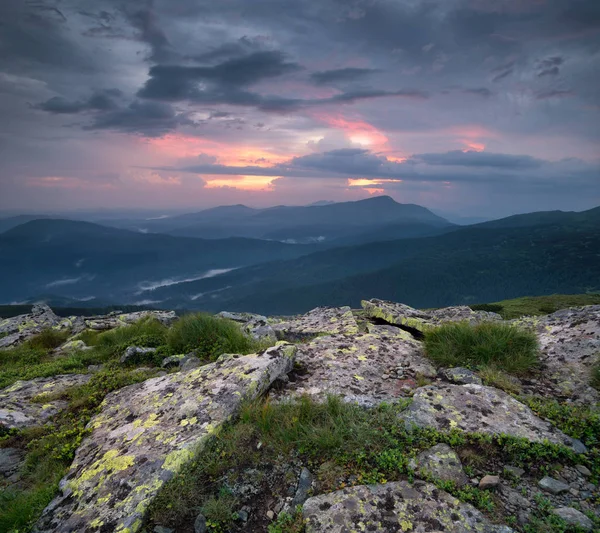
(20, 328)
(573, 517)
(161, 529)
(242, 318)
(135, 354)
(460, 376)
(73, 346)
(583, 470)
(356, 366)
(190, 362)
(257, 326)
(11, 460)
(200, 524)
(396, 506)
(17, 411)
(554, 486)
(475, 408)
(489, 482)
(173, 360)
(259, 329)
(417, 320)
(513, 471)
(270, 514)
(243, 515)
(440, 462)
(304, 485)
(146, 432)
(319, 321)
(569, 343)
(116, 320)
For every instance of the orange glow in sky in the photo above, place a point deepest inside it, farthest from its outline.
(363, 182)
(245, 183)
(357, 131)
(182, 146)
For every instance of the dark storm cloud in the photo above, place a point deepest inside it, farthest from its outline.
(348, 74)
(479, 159)
(99, 101)
(546, 95)
(147, 118)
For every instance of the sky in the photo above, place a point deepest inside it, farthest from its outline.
(472, 107)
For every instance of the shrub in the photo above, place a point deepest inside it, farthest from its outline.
(147, 332)
(48, 339)
(492, 308)
(208, 336)
(503, 346)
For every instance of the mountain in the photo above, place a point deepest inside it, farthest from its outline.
(589, 218)
(81, 260)
(13, 222)
(300, 224)
(478, 263)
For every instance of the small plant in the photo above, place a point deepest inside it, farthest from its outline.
(501, 380)
(219, 510)
(208, 336)
(502, 346)
(147, 332)
(595, 375)
(288, 523)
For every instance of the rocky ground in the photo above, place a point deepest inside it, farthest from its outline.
(411, 446)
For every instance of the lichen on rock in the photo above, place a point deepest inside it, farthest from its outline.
(18, 411)
(146, 432)
(479, 409)
(398, 506)
(319, 321)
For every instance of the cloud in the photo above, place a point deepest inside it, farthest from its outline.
(546, 95)
(480, 91)
(99, 101)
(479, 159)
(348, 74)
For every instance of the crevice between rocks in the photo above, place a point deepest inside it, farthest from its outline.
(418, 335)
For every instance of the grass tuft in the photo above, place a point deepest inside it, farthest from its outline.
(208, 336)
(490, 344)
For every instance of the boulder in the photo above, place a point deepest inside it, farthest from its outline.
(489, 482)
(17, 411)
(146, 432)
(73, 346)
(569, 346)
(554, 486)
(479, 409)
(574, 518)
(397, 506)
(11, 460)
(440, 462)
(414, 319)
(319, 321)
(460, 376)
(366, 368)
(136, 354)
(116, 320)
(20, 328)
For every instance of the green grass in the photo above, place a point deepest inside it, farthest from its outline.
(33, 359)
(537, 305)
(337, 441)
(489, 344)
(208, 336)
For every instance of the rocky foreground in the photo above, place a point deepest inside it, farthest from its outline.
(146, 433)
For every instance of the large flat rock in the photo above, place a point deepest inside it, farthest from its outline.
(319, 321)
(394, 508)
(146, 432)
(569, 345)
(20, 328)
(479, 409)
(405, 316)
(17, 411)
(367, 368)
